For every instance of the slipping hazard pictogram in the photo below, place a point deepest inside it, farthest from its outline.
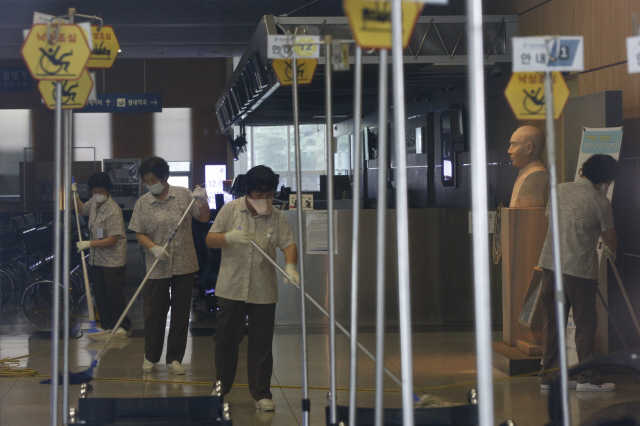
(74, 92)
(105, 47)
(525, 94)
(284, 71)
(370, 22)
(62, 55)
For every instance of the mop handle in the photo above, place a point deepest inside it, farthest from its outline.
(87, 288)
(144, 281)
(317, 305)
(624, 292)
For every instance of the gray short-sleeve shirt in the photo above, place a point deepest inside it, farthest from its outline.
(245, 274)
(106, 221)
(156, 219)
(584, 214)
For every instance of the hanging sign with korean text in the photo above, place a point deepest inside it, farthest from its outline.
(370, 22)
(548, 54)
(633, 54)
(125, 102)
(65, 59)
(286, 47)
(105, 47)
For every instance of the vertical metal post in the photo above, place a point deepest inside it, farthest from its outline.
(355, 247)
(55, 290)
(402, 211)
(381, 242)
(557, 252)
(66, 250)
(301, 247)
(333, 415)
(480, 212)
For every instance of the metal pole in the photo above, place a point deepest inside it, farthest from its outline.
(55, 319)
(333, 415)
(482, 299)
(557, 252)
(402, 212)
(355, 247)
(66, 250)
(306, 404)
(381, 241)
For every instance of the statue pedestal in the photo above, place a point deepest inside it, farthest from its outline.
(523, 234)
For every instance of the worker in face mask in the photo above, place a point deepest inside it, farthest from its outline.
(171, 282)
(247, 284)
(107, 248)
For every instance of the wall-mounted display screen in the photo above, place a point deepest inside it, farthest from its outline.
(448, 174)
(214, 175)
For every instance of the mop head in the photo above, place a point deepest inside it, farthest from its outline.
(432, 401)
(76, 378)
(93, 329)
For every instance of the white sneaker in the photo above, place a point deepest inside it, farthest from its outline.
(121, 333)
(265, 405)
(176, 368)
(590, 387)
(572, 385)
(148, 366)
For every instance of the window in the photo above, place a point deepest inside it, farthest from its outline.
(180, 173)
(274, 146)
(172, 134)
(92, 131)
(15, 136)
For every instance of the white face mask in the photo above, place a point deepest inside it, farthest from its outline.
(100, 198)
(263, 206)
(156, 188)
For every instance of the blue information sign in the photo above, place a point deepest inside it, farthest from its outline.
(124, 102)
(15, 79)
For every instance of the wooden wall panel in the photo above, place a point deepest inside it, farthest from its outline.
(132, 135)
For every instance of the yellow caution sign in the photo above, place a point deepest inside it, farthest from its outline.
(64, 59)
(105, 47)
(283, 69)
(370, 22)
(74, 93)
(525, 93)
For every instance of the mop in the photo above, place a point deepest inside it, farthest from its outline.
(87, 287)
(87, 375)
(417, 399)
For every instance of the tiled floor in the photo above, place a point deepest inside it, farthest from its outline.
(443, 362)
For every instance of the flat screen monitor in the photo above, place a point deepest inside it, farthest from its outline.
(122, 171)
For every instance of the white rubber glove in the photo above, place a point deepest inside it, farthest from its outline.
(200, 193)
(237, 236)
(74, 187)
(290, 269)
(610, 253)
(159, 253)
(83, 245)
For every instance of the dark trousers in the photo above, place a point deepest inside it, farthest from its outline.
(156, 304)
(580, 295)
(229, 332)
(108, 283)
